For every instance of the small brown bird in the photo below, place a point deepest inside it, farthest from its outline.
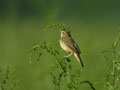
(68, 44)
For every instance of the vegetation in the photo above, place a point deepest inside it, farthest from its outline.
(63, 72)
(111, 66)
(7, 79)
(63, 65)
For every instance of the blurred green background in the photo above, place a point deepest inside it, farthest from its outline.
(93, 25)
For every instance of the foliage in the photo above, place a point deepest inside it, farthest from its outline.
(7, 80)
(112, 66)
(62, 66)
(56, 26)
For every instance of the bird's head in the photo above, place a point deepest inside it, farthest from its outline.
(65, 33)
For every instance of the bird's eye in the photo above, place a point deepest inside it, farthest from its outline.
(63, 32)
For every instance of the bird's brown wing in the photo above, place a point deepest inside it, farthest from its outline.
(76, 46)
(71, 44)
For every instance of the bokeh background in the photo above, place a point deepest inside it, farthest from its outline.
(93, 24)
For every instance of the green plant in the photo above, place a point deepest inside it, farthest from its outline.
(67, 73)
(112, 66)
(7, 79)
(56, 26)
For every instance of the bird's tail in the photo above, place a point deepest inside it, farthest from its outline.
(79, 59)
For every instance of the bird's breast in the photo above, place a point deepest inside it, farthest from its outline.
(65, 47)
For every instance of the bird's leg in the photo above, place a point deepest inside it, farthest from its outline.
(68, 55)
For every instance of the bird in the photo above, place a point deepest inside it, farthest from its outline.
(69, 45)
